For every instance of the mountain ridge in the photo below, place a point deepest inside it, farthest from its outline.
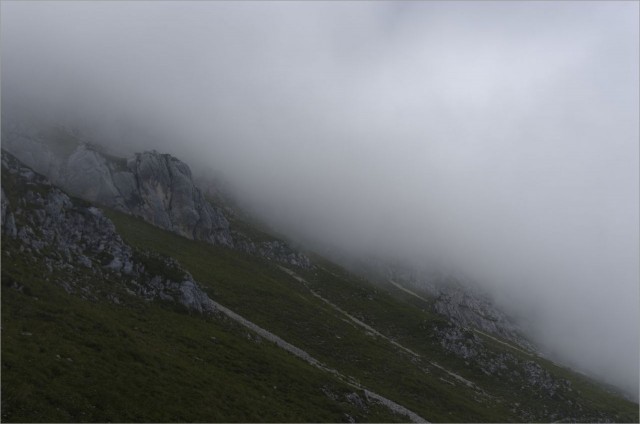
(157, 187)
(98, 238)
(368, 324)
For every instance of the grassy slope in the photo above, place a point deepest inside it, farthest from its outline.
(66, 359)
(154, 362)
(411, 327)
(269, 297)
(266, 295)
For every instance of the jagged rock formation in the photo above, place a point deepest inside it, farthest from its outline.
(68, 234)
(157, 187)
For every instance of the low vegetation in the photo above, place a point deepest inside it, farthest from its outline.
(70, 357)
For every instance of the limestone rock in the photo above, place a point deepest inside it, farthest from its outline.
(87, 175)
(78, 237)
(157, 187)
(468, 308)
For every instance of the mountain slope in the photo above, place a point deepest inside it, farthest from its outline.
(156, 187)
(146, 351)
(76, 312)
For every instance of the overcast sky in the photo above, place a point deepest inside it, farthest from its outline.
(500, 136)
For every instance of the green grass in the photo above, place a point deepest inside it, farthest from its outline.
(269, 297)
(153, 362)
(409, 321)
(264, 294)
(66, 359)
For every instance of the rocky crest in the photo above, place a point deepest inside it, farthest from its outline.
(157, 187)
(69, 235)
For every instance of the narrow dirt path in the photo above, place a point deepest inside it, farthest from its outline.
(372, 330)
(393, 406)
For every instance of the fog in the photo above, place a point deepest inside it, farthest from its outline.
(501, 138)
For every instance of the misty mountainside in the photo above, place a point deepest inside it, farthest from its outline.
(128, 296)
(156, 187)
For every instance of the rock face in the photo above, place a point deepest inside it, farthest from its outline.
(157, 187)
(68, 235)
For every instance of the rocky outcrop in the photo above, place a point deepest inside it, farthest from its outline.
(522, 373)
(157, 187)
(69, 234)
(80, 245)
(455, 297)
(87, 175)
(468, 308)
(86, 256)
